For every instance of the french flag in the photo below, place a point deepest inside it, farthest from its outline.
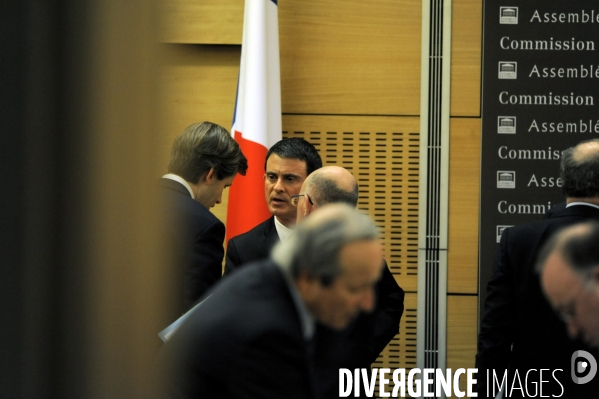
(257, 117)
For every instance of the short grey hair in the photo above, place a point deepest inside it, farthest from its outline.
(316, 242)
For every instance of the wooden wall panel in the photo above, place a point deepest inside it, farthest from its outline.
(383, 155)
(206, 21)
(466, 46)
(199, 83)
(462, 314)
(464, 189)
(350, 56)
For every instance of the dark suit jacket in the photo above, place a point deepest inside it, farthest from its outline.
(244, 341)
(195, 239)
(361, 343)
(254, 245)
(517, 316)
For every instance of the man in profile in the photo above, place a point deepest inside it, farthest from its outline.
(204, 161)
(372, 332)
(569, 267)
(519, 331)
(252, 337)
(288, 163)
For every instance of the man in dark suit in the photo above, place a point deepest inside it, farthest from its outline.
(287, 164)
(519, 331)
(252, 336)
(360, 344)
(204, 160)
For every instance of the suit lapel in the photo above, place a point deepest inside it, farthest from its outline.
(271, 237)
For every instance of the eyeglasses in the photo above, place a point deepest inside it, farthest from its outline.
(295, 199)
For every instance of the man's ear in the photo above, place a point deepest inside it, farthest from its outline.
(595, 275)
(210, 177)
(307, 285)
(309, 207)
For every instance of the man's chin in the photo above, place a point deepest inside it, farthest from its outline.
(342, 325)
(276, 206)
(281, 214)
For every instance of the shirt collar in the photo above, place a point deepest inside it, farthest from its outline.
(179, 179)
(582, 203)
(283, 231)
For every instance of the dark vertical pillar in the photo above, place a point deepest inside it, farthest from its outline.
(42, 153)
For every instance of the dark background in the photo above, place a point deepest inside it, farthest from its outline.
(493, 31)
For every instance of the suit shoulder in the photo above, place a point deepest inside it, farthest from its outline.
(254, 298)
(527, 229)
(250, 236)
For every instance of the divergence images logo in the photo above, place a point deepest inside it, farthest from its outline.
(578, 367)
(508, 15)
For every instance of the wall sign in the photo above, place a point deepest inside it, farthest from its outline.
(540, 96)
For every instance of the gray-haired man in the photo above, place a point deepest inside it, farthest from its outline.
(251, 337)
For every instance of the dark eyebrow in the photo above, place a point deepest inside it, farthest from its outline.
(284, 175)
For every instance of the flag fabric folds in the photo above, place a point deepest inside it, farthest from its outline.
(257, 118)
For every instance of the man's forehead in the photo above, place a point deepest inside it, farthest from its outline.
(295, 166)
(559, 281)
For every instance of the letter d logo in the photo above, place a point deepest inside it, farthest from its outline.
(582, 366)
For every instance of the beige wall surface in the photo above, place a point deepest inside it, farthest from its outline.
(207, 22)
(466, 49)
(464, 188)
(464, 183)
(350, 57)
(461, 337)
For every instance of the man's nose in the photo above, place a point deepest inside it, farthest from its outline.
(279, 185)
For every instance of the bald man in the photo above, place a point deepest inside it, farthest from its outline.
(359, 345)
(329, 185)
(569, 267)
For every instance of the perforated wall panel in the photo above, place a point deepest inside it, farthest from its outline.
(383, 154)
